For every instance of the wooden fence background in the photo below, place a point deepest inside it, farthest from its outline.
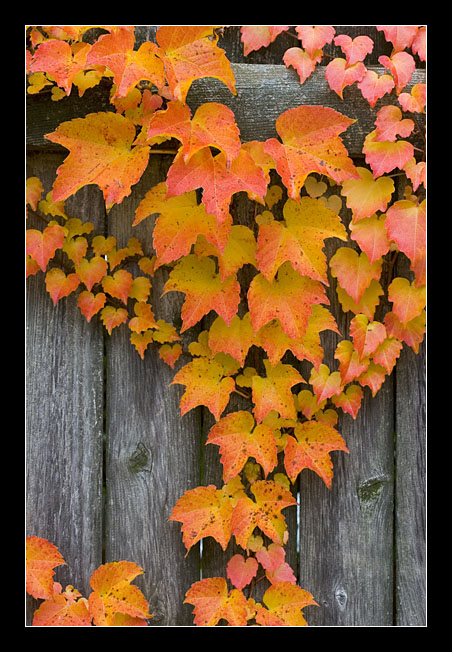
(108, 455)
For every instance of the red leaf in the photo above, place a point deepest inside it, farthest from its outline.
(241, 570)
(41, 246)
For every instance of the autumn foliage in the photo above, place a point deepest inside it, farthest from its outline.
(299, 183)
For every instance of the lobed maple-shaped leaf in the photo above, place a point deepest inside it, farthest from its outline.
(264, 513)
(406, 225)
(42, 245)
(61, 61)
(191, 52)
(241, 570)
(255, 37)
(385, 156)
(273, 392)
(310, 143)
(353, 271)
(113, 593)
(239, 250)
(371, 235)
(367, 195)
(204, 512)
(205, 385)
(218, 180)
(63, 609)
(239, 439)
(212, 602)
(273, 560)
(41, 558)
(212, 125)
(285, 602)
(310, 448)
(407, 299)
(100, 152)
(116, 52)
(367, 336)
(204, 290)
(308, 223)
(235, 339)
(290, 298)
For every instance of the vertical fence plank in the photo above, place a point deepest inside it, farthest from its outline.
(152, 454)
(64, 398)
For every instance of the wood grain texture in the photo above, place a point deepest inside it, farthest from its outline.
(64, 400)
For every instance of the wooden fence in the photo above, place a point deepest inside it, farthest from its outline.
(108, 454)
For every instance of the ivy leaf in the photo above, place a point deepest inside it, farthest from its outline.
(373, 86)
(42, 245)
(290, 298)
(367, 336)
(310, 143)
(255, 37)
(212, 602)
(241, 570)
(204, 290)
(235, 339)
(204, 512)
(116, 52)
(273, 391)
(113, 593)
(354, 49)
(300, 240)
(59, 285)
(314, 37)
(63, 610)
(349, 400)
(90, 303)
(401, 65)
(41, 558)
(408, 300)
(100, 152)
(218, 180)
(367, 195)
(273, 561)
(265, 513)
(385, 156)
(354, 271)
(239, 250)
(371, 235)
(213, 125)
(339, 74)
(324, 383)
(350, 364)
(387, 353)
(310, 449)
(56, 58)
(205, 385)
(406, 225)
(191, 52)
(285, 602)
(239, 439)
(390, 124)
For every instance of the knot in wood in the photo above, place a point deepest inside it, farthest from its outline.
(140, 460)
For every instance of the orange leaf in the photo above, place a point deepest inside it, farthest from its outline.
(204, 291)
(90, 303)
(413, 333)
(354, 271)
(41, 558)
(389, 124)
(41, 246)
(113, 317)
(235, 339)
(324, 383)
(290, 298)
(367, 336)
(301, 61)
(212, 602)
(350, 364)
(349, 400)
(310, 449)
(273, 391)
(63, 610)
(406, 225)
(265, 513)
(300, 240)
(255, 37)
(385, 156)
(370, 233)
(373, 377)
(241, 570)
(408, 300)
(91, 271)
(204, 512)
(119, 285)
(373, 87)
(340, 74)
(285, 603)
(387, 353)
(402, 67)
(113, 593)
(213, 125)
(205, 385)
(170, 353)
(238, 439)
(365, 196)
(218, 180)
(141, 341)
(100, 152)
(310, 143)
(144, 319)
(59, 285)
(189, 53)
(354, 49)
(116, 52)
(57, 58)
(314, 37)
(273, 561)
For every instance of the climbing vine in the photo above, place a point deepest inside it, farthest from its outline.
(297, 183)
